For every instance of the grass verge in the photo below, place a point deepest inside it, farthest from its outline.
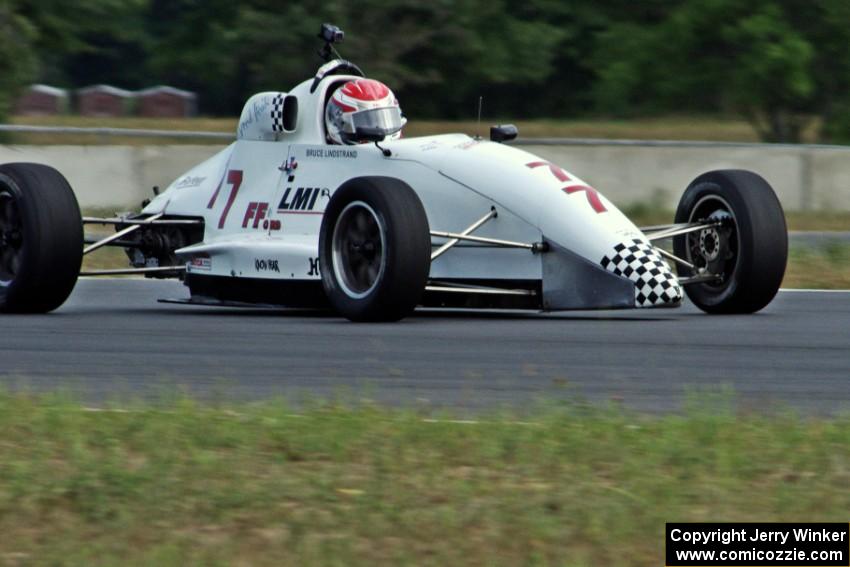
(182, 483)
(822, 267)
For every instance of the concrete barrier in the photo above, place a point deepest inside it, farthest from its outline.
(113, 176)
(805, 177)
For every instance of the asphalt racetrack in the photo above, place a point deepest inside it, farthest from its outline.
(112, 341)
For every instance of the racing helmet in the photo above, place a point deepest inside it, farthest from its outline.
(362, 103)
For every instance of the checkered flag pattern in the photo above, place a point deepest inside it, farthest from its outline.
(654, 282)
(277, 113)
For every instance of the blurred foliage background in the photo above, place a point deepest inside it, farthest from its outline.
(782, 64)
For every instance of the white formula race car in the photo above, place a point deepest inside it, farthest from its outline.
(283, 218)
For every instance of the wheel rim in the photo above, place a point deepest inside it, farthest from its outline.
(11, 237)
(713, 250)
(358, 245)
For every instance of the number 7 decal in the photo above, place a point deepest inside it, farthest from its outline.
(592, 196)
(234, 178)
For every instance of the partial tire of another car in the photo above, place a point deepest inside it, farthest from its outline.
(41, 238)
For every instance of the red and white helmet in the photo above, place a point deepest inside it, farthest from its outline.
(363, 103)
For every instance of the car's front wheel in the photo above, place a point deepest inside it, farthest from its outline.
(374, 249)
(746, 250)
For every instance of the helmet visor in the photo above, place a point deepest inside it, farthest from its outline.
(387, 120)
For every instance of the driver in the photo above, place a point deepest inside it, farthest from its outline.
(362, 103)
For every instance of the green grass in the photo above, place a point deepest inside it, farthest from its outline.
(106, 258)
(818, 220)
(179, 483)
(822, 267)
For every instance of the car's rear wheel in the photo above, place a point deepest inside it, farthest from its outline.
(747, 251)
(41, 238)
(374, 249)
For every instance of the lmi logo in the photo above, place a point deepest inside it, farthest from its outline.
(302, 200)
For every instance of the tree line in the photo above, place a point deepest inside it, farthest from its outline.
(778, 63)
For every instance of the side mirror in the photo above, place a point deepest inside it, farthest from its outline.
(503, 133)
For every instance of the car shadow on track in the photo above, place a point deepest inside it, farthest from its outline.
(625, 315)
(420, 315)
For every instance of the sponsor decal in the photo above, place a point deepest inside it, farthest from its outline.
(201, 263)
(322, 153)
(627, 234)
(302, 200)
(314, 267)
(468, 144)
(562, 176)
(266, 265)
(427, 147)
(189, 181)
(259, 108)
(234, 179)
(288, 166)
(258, 213)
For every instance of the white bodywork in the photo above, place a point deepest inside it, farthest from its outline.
(262, 200)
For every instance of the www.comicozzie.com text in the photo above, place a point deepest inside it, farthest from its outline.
(726, 536)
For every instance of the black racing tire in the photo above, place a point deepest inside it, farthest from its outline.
(374, 249)
(749, 250)
(41, 238)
